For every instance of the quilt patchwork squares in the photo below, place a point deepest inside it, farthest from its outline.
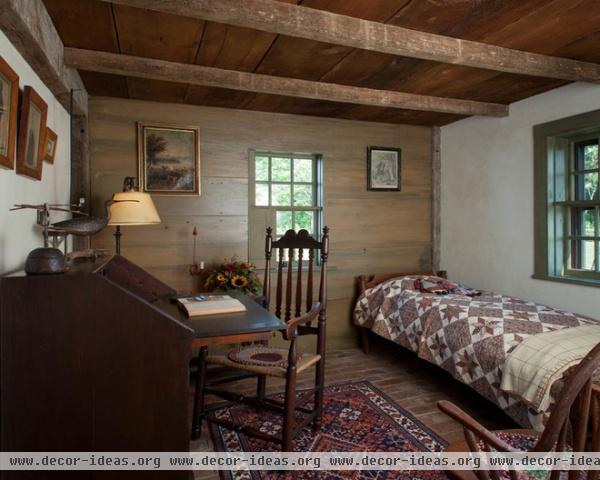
(469, 337)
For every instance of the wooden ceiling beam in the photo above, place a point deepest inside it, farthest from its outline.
(105, 62)
(29, 28)
(323, 26)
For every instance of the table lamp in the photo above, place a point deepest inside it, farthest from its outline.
(140, 210)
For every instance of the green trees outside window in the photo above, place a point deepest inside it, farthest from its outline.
(567, 199)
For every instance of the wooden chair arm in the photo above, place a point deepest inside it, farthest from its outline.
(473, 426)
(292, 326)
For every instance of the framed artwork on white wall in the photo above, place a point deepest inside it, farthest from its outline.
(9, 99)
(32, 134)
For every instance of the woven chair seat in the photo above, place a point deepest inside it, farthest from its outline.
(263, 360)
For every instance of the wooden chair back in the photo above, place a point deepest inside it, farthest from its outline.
(576, 412)
(290, 299)
(574, 423)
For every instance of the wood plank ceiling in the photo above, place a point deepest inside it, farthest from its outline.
(563, 28)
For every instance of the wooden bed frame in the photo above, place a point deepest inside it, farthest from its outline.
(364, 282)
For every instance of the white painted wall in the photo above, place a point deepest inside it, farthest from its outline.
(18, 232)
(487, 200)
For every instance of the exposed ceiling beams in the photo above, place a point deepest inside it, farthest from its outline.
(297, 21)
(30, 29)
(106, 62)
(560, 28)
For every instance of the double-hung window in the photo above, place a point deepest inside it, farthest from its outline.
(285, 194)
(567, 200)
(582, 208)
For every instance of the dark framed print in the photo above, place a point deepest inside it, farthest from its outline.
(51, 141)
(383, 168)
(9, 101)
(32, 134)
(168, 159)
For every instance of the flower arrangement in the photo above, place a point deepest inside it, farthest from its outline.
(234, 275)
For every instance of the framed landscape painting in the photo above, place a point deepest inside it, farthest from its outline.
(383, 168)
(51, 141)
(9, 99)
(32, 134)
(168, 159)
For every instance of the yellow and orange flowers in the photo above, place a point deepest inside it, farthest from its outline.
(238, 281)
(234, 275)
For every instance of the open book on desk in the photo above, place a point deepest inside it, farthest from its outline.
(199, 305)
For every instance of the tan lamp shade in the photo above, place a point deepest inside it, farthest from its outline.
(139, 212)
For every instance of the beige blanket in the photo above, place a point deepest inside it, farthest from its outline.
(537, 362)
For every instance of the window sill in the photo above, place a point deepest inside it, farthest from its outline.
(586, 282)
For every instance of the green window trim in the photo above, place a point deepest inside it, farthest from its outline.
(566, 223)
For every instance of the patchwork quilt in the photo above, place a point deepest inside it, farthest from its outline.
(468, 336)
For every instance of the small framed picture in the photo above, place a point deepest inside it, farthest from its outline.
(168, 159)
(32, 134)
(51, 141)
(9, 100)
(383, 168)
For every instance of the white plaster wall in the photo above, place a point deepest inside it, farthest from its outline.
(487, 200)
(18, 233)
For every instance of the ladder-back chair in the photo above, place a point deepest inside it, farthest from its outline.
(574, 424)
(297, 254)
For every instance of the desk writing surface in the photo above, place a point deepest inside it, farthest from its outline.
(255, 319)
(140, 283)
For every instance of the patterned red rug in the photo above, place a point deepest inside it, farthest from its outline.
(357, 417)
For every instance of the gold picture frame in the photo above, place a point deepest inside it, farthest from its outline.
(9, 103)
(168, 159)
(32, 134)
(51, 143)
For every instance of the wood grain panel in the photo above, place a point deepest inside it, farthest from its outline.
(104, 84)
(370, 231)
(335, 29)
(176, 230)
(540, 27)
(146, 33)
(514, 24)
(233, 48)
(311, 59)
(89, 23)
(566, 28)
(141, 67)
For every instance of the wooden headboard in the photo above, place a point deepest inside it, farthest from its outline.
(365, 282)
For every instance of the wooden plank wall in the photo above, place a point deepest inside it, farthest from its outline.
(371, 232)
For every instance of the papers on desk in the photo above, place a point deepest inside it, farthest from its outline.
(200, 305)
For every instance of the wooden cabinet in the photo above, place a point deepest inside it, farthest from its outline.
(87, 363)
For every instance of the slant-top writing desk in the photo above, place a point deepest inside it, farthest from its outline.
(98, 360)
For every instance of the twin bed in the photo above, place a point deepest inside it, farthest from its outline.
(467, 333)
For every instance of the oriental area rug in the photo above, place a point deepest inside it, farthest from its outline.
(356, 417)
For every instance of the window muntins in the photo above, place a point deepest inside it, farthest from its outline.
(289, 184)
(285, 194)
(571, 214)
(582, 207)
